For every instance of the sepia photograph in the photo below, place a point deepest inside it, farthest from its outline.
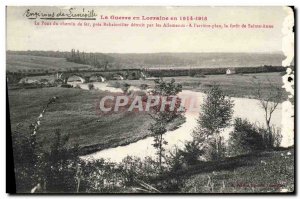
(150, 99)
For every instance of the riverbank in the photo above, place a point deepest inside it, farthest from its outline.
(74, 114)
(243, 108)
(75, 111)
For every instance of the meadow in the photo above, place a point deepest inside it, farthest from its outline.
(259, 172)
(236, 85)
(15, 63)
(75, 113)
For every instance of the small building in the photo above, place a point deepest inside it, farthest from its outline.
(230, 71)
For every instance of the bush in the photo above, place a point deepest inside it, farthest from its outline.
(125, 87)
(174, 160)
(245, 138)
(66, 86)
(192, 73)
(144, 86)
(271, 139)
(191, 152)
(91, 86)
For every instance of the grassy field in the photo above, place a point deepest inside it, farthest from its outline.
(14, 63)
(75, 111)
(235, 85)
(271, 171)
(266, 172)
(75, 114)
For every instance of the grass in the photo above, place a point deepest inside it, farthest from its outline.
(74, 113)
(14, 63)
(268, 171)
(235, 85)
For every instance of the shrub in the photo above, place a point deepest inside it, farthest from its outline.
(192, 73)
(66, 86)
(192, 152)
(245, 138)
(272, 138)
(144, 86)
(174, 160)
(125, 87)
(91, 86)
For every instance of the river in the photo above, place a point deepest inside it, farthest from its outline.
(243, 107)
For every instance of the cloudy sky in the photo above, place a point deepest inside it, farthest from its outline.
(22, 34)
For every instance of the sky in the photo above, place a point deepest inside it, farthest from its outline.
(23, 34)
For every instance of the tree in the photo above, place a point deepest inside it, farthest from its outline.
(215, 115)
(166, 90)
(269, 101)
(61, 165)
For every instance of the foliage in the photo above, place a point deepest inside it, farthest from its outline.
(245, 138)
(269, 101)
(216, 111)
(144, 86)
(125, 87)
(45, 171)
(271, 138)
(60, 166)
(91, 86)
(215, 116)
(192, 152)
(98, 60)
(162, 118)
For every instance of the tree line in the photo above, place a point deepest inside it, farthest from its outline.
(97, 60)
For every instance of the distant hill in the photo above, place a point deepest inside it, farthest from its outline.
(21, 63)
(55, 59)
(202, 60)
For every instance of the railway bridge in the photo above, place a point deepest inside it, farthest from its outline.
(84, 75)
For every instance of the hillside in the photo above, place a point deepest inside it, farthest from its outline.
(15, 63)
(201, 60)
(26, 60)
(269, 171)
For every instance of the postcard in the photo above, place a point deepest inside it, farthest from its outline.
(150, 99)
